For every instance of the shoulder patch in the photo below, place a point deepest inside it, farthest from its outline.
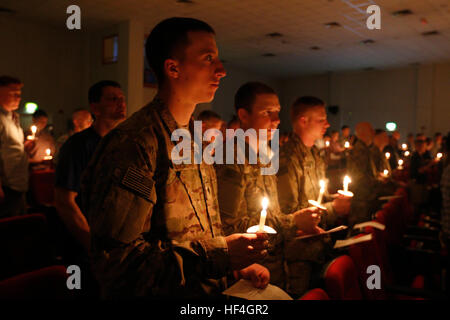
(136, 180)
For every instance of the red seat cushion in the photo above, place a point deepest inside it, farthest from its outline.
(341, 279)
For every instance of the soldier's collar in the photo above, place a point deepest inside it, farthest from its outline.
(167, 117)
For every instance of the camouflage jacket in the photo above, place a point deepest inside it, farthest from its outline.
(301, 169)
(363, 172)
(155, 226)
(379, 159)
(241, 189)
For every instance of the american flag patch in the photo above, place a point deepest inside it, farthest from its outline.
(136, 180)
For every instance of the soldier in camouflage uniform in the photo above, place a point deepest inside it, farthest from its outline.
(366, 180)
(155, 225)
(242, 187)
(301, 169)
(380, 141)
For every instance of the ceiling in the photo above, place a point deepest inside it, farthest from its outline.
(242, 27)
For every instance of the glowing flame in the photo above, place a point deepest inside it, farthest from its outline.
(404, 146)
(47, 151)
(388, 155)
(33, 129)
(400, 162)
(347, 144)
(386, 172)
(439, 155)
(265, 203)
(406, 153)
(327, 143)
(347, 179)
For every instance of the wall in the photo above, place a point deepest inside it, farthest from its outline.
(50, 62)
(415, 97)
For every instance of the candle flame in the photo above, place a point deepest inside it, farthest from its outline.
(347, 179)
(385, 172)
(265, 203)
(400, 162)
(322, 184)
(388, 155)
(439, 155)
(404, 146)
(347, 144)
(327, 143)
(33, 129)
(47, 151)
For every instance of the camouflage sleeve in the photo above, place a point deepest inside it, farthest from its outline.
(120, 201)
(287, 184)
(231, 186)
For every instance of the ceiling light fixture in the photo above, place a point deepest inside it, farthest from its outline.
(274, 35)
(402, 13)
(269, 55)
(368, 41)
(332, 24)
(430, 33)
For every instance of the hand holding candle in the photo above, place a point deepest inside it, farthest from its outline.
(48, 154)
(385, 173)
(318, 203)
(345, 192)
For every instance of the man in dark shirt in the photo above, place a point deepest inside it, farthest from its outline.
(107, 103)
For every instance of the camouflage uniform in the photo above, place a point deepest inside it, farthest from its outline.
(155, 225)
(241, 189)
(379, 159)
(363, 173)
(300, 170)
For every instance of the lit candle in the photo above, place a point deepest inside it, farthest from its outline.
(48, 154)
(346, 182)
(347, 144)
(262, 220)
(385, 172)
(33, 133)
(322, 191)
(404, 146)
(388, 155)
(327, 143)
(439, 156)
(400, 163)
(406, 153)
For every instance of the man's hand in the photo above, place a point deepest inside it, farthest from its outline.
(257, 274)
(29, 146)
(246, 248)
(341, 205)
(307, 220)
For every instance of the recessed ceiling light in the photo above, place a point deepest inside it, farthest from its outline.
(269, 55)
(315, 48)
(274, 35)
(186, 1)
(332, 24)
(402, 13)
(368, 41)
(430, 33)
(6, 10)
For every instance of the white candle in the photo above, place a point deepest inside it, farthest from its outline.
(404, 146)
(322, 191)
(346, 182)
(439, 156)
(347, 144)
(33, 133)
(262, 220)
(406, 153)
(388, 155)
(327, 143)
(48, 154)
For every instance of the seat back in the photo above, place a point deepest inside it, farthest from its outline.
(341, 279)
(42, 187)
(315, 294)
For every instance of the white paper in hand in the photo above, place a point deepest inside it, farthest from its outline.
(245, 290)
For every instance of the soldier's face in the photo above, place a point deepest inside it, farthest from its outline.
(264, 115)
(317, 124)
(10, 96)
(111, 105)
(197, 74)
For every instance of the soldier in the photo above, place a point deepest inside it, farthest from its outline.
(301, 167)
(366, 180)
(242, 187)
(380, 141)
(155, 225)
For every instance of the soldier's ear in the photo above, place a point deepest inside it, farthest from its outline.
(243, 115)
(171, 68)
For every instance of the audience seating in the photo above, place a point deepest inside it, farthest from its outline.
(315, 294)
(341, 279)
(42, 186)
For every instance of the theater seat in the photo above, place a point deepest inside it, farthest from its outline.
(45, 283)
(315, 294)
(24, 244)
(42, 187)
(341, 279)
